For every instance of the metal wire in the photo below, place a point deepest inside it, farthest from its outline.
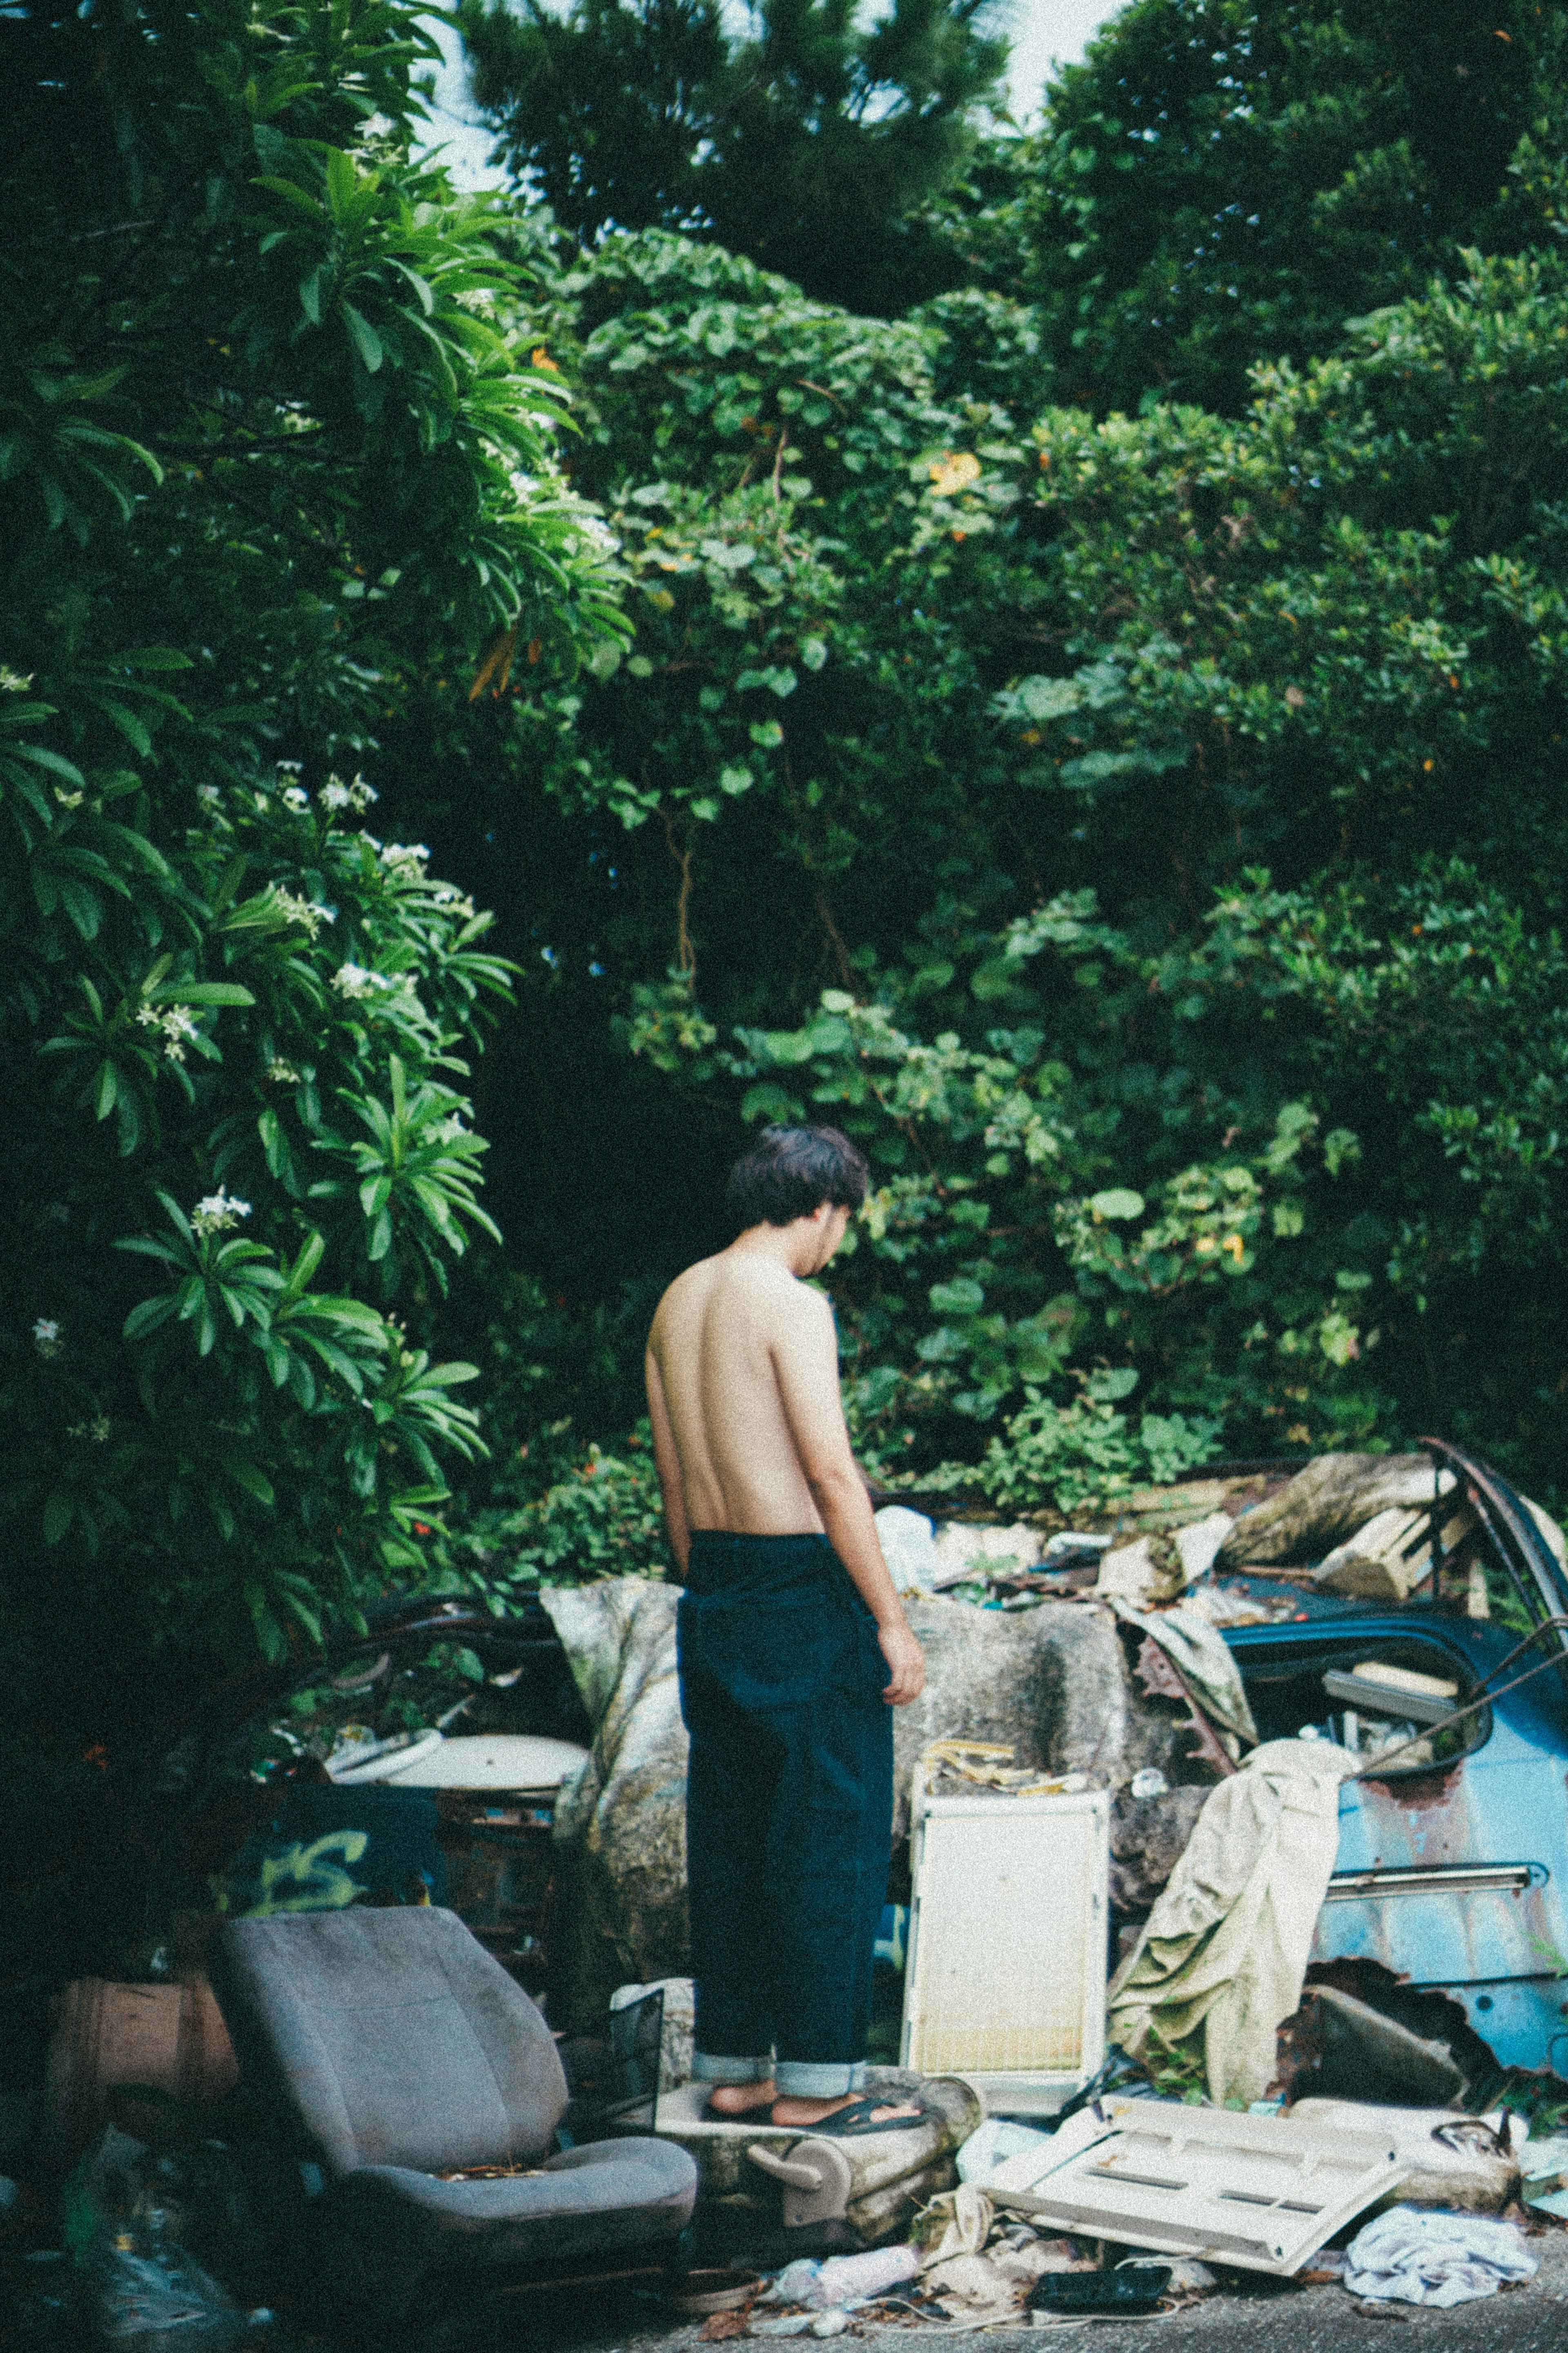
(1375, 1770)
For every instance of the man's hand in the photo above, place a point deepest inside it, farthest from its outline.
(907, 1660)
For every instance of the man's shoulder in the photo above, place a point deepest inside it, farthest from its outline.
(685, 1294)
(743, 1284)
(775, 1297)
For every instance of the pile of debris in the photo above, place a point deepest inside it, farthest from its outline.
(1213, 1748)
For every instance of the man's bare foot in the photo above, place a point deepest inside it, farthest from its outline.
(803, 2113)
(742, 2099)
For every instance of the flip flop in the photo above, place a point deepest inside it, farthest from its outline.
(854, 2123)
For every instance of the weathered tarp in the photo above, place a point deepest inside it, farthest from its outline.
(620, 1827)
(1207, 1666)
(1225, 1946)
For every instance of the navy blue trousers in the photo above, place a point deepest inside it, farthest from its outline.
(789, 1803)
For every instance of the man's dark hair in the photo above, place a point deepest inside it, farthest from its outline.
(789, 1171)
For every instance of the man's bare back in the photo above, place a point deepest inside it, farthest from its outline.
(735, 1337)
(748, 1424)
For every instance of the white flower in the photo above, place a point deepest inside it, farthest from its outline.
(210, 793)
(336, 794)
(407, 859)
(217, 1211)
(47, 1336)
(290, 768)
(282, 1073)
(68, 800)
(354, 980)
(303, 911)
(174, 1023)
(297, 798)
(12, 682)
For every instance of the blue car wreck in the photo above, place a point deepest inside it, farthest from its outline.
(1452, 1870)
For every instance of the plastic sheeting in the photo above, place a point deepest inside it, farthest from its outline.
(1225, 1946)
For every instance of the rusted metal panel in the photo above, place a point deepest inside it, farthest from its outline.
(1454, 1878)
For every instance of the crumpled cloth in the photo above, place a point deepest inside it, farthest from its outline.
(979, 2289)
(1228, 1942)
(1412, 2255)
(958, 2222)
(980, 2284)
(1207, 1663)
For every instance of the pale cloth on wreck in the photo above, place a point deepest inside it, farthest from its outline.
(956, 2223)
(1049, 1681)
(976, 2283)
(1227, 1945)
(1207, 1664)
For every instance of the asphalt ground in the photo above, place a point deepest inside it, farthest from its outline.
(1263, 2315)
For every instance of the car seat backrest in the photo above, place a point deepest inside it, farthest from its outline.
(393, 2035)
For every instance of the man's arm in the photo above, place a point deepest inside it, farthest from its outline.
(806, 1358)
(666, 1461)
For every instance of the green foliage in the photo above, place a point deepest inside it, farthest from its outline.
(1221, 181)
(1003, 1296)
(602, 1518)
(1144, 660)
(813, 145)
(269, 462)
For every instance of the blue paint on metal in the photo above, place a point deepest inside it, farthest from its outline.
(1501, 1950)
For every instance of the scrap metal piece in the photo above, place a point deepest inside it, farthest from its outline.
(1006, 1978)
(1163, 1679)
(1340, 2048)
(1262, 2192)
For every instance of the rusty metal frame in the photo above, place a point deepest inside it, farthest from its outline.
(1558, 1625)
(1518, 1546)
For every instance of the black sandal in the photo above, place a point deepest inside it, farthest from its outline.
(854, 2123)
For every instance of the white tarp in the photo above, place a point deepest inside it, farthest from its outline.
(1227, 1945)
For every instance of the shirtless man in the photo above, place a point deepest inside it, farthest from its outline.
(794, 1647)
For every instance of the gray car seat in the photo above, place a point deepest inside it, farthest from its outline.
(393, 2050)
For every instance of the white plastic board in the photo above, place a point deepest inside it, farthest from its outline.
(1261, 2193)
(1006, 1978)
(491, 1760)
